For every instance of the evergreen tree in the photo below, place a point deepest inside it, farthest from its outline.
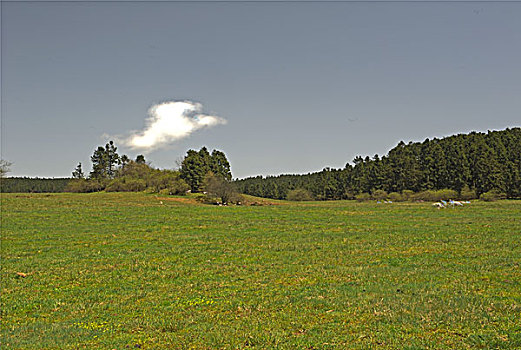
(78, 172)
(113, 159)
(197, 164)
(140, 159)
(474, 163)
(99, 161)
(104, 162)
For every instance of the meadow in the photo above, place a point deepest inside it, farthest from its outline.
(130, 270)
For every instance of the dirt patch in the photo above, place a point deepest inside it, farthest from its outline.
(185, 200)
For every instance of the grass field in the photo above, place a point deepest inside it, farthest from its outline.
(119, 271)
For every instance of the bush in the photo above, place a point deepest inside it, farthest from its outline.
(379, 195)
(467, 194)
(217, 186)
(435, 195)
(84, 186)
(349, 195)
(395, 197)
(126, 185)
(407, 195)
(363, 197)
(178, 189)
(492, 196)
(299, 194)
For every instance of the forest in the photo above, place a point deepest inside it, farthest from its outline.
(474, 163)
(462, 166)
(33, 185)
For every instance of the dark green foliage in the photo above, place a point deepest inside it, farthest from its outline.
(124, 184)
(435, 195)
(105, 161)
(124, 160)
(33, 185)
(299, 194)
(78, 172)
(167, 179)
(178, 187)
(140, 159)
(469, 165)
(379, 195)
(395, 197)
(114, 173)
(467, 194)
(84, 186)
(361, 197)
(197, 164)
(136, 177)
(492, 196)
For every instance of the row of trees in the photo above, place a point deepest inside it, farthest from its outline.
(118, 173)
(27, 184)
(200, 171)
(470, 163)
(32, 185)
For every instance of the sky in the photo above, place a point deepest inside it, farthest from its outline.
(280, 87)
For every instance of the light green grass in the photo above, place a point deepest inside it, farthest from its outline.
(117, 271)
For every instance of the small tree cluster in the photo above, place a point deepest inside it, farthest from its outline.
(197, 164)
(114, 173)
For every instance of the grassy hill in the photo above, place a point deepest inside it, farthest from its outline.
(130, 270)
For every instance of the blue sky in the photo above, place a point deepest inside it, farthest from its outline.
(302, 86)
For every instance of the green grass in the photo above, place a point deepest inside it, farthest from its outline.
(118, 271)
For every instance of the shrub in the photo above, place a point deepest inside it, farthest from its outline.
(84, 186)
(467, 194)
(217, 186)
(379, 195)
(169, 180)
(299, 194)
(349, 195)
(492, 196)
(126, 185)
(407, 195)
(178, 188)
(445, 194)
(435, 195)
(363, 197)
(395, 197)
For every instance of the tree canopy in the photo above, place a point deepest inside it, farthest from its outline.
(197, 164)
(478, 162)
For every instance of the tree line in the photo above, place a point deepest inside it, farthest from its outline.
(32, 185)
(465, 166)
(200, 171)
(469, 165)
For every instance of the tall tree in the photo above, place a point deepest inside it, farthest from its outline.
(113, 159)
(219, 165)
(78, 172)
(99, 161)
(105, 161)
(197, 164)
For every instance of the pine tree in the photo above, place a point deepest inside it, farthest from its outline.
(140, 159)
(78, 172)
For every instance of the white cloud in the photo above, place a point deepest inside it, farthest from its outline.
(171, 121)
